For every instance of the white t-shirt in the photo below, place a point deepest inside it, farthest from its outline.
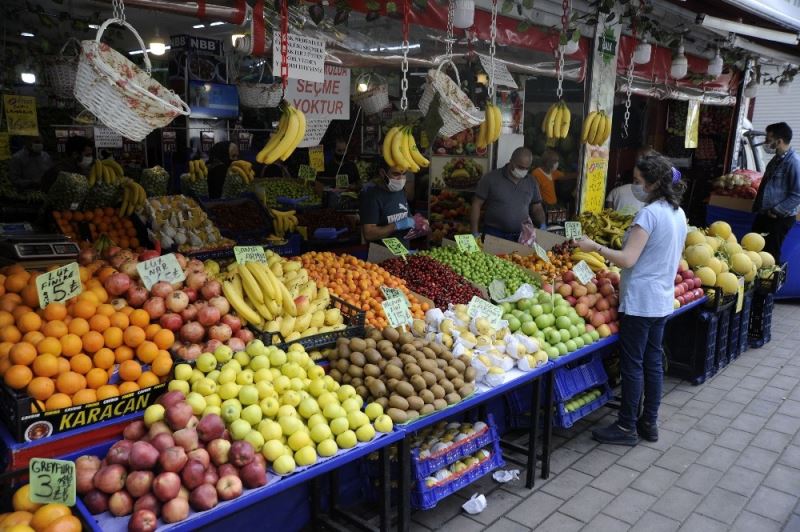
(648, 288)
(623, 200)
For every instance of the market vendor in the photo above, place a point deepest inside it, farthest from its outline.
(78, 159)
(339, 164)
(510, 195)
(384, 209)
(28, 165)
(546, 174)
(219, 159)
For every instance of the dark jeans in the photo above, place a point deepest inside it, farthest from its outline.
(514, 237)
(641, 366)
(776, 230)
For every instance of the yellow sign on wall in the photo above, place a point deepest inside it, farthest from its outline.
(594, 186)
(316, 158)
(21, 115)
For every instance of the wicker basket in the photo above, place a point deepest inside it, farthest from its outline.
(123, 96)
(376, 98)
(257, 95)
(60, 70)
(455, 108)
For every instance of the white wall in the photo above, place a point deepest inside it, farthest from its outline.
(771, 107)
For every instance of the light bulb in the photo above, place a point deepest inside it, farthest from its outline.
(157, 47)
(362, 87)
(642, 52)
(570, 48)
(28, 77)
(715, 66)
(464, 14)
(680, 65)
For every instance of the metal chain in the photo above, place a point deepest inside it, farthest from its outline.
(629, 81)
(451, 8)
(565, 6)
(284, 45)
(492, 48)
(404, 64)
(118, 7)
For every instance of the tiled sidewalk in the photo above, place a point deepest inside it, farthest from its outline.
(728, 458)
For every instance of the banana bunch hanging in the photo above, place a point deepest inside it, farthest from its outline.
(244, 169)
(133, 197)
(282, 143)
(556, 122)
(597, 128)
(400, 150)
(489, 131)
(198, 170)
(107, 170)
(283, 221)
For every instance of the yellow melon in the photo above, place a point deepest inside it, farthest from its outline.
(753, 242)
(715, 264)
(755, 257)
(695, 237)
(728, 282)
(697, 255)
(767, 260)
(741, 263)
(714, 242)
(707, 276)
(720, 229)
(732, 248)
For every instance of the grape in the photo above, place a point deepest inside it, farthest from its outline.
(482, 268)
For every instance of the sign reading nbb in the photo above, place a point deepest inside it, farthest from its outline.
(200, 44)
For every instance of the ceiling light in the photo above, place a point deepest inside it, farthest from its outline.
(680, 65)
(217, 23)
(362, 87)
(235, 37)
(157, 46)
(464, 14)
(482, 78)
(27, 34)
(149, 51)
(715, 65)
(93, 26)
(729, 26)
(28, 77)
(199, 26)
(642, 52)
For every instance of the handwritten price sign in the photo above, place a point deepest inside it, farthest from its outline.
(245, 254)
(397, 312)
(52, 481)
(481, 307)
(163, 268)
(467, 243)
(573, 230)
(393, 293)
(583, 272)
(59, 285)
(395, 246)
(307, 173)
(540, 252)
(342, 181)
(316, 158)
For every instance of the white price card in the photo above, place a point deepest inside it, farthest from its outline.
(583, 272)
(59, 285)
(397, 312)
(163, 268)
(572, 230)
(481, 307)
(540, 252)
(467, 243)
(245, 254)
(396, 247)
(392, 293)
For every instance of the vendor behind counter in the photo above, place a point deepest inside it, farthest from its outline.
(384, 210)
(339, 164)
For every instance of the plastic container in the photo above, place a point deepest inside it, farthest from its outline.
(717, 301)
(354, 319)
(744, 321)
(722, 338)
(572, 380)
(565, 420)
(690, 342)
(250, 223)
(773, 283)
(425, 467)
(760, 331)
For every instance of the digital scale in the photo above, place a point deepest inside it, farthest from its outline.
(37, 250)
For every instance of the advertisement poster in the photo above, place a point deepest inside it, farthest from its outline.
(595, 184)
(213, 100)
(512, 109)
(306, 57)
(328, 98)
(21, 115)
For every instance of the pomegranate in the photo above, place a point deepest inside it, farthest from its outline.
(208, 316)
(155, 307)
(221, 304)
(192, 332)
(136, 296)
(177, 301)
(161, 289)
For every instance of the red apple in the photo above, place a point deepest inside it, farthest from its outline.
(219, 450)
(163, 441)
(120, 503)
(229, 487)
(203, 497)
(200, 455)
(135, 431)
(143, 521)
(186, 438)
(96, 501)
(227, 469)
(210, 427)
(171, 398)
(143, 455)
(139, 482)
(241, 453)
(173, 459)
(211, 476)
(253, 475)
(111, 478)
(148, 501)
(120, 452)
(175, 510)
(166, 486)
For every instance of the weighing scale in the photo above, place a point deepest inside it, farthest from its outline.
(37, 250)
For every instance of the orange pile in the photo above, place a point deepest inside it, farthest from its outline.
(559, 263)
(99, 221)
(66, 354)
(359, 283)
(38, 517)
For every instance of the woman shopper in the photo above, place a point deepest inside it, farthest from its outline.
(649, 258)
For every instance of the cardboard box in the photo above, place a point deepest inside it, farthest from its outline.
(729, 202)
(499, 246)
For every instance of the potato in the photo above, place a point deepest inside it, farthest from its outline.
(358, 344)
(358, 358)
(452, 398)
(438, 391)
(396, 401)
(391, 334)
(397, 415)
(394, 372)
(404, 389)
(418, 382)
(415, 403)
(427, 396)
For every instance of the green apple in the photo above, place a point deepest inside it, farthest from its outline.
(290, 397)
(290, 369)
(296, 357)
(252, 414)
(290, 425)
(321, 432)
(269, 406)
(524, 304)
(196, 376)
(213, 375)
(315, 372)
(239, 429)
(226, 375)
(357, 419)
(272, 449)
(212, 409)
(197, 402)
(248, 394)
(244, 377)
(331, 384)
(255, 439)
(552, 353)
(234, 365)
(206, 362)
(578, 342)
(271, 430)
(298, 440)
(513, 324)
(316, 419)
(229, 390)
(529, 328)
(231, 411)
(284, 465)
(365, 432)
(183, 372)
(242, 358)
(281, 383)
(256, 348)
(153, 413)
(306, 456)
(587, 338)
(205, 386)
(350, 404)
(316, 387)
(384, 423)
(179, 386)
(571, 345)
(525, 318)
(507, 307)
(339, 425)
(345, 391)
(564, 334)
(327, 448)
(373, 411)
(541, 321)
(536, 310)
(262, 375)
(326, 398)
(346, 439)
(213, 400)
(562, 348)
(264, 389)
(573, 331)
(297, 384)
(594, 334)
(553, 337)
(562, 322)
(223, 354)
(333, 410)
(287, 411)
(308, 407)
(277, 358)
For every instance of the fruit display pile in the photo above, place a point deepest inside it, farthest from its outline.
(449, 215)
(560, 261)
(596, 302)
(90, 225)
(582, 399)
(237, 216)
(408, 377)
(321, 218)
(482, 268)
(460, 467)
(432, 279)
(443, 436)
(688, 287)
(739, 184)
(358, 283)
(290, 188)
(606, 228)
(179, 222)
(28, 515)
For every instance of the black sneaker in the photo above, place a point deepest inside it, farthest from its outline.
(614, 434)
(647, 431)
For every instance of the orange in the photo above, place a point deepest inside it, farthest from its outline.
(58, 400)
(112, 337)
(147, 379)
(41, 388)
(85, 275)
(151, 330)
(5, 364)
(140, 318)
(67, 523)
(16, 282)
(23, 353)
(5, 348)
(18, 376)
(123, 353)
(10, 333)
(162, 365)
(55, 328)
(164, 339)
(80, 363)
(147, 352)
(21, 517)
(70, 382)
(71, 345)
(92, 341)
(30, 296)
(6, 318)
(100, 293)
(30, 321)
(119, 319)
(96, 377)
(130, 370)
(105, 273)
(20, 311)
(47, 514)
(106, 391)
(49, 345)
(9, 302)
(127, 311)
(83, 308)
(133, 336)
(63, 365)
(45, 365)
(103, 358)
(128, 387)
(99, 323)
(22, 500)
(82, 397)
(79, 326)
(106, 310)
(55, 311)
(33, 337)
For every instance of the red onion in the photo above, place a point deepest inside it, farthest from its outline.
(221, 304)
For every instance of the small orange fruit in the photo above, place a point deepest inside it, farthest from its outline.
(22, 500)
(67, 523)
(82, 397)
(147, 379)
(20, 311)
(120, 319)
(55, 311)
(99, 323)
(106, 310)
(55, 328)
(140, 318)
(16, 282)
(84, 309)
(33, 337)
(106, 391)
(103, 358)
(123, 353)
(128, 387)
(70, 382)
(30, 321)
(5, 364)
(133, 336)
(45, 365)
(130, 370)
(30, 295)
(162, 365)
(6, 318)
(18, 376)
(79, 326)
(20, 517)
(71, 345)
(10, 333)
(41, 388)
(92, 341)
(47, 514)
(63, 365)
(96, 377)
(80, 363)
(147, 352)
(23, 353)
(164, 339)
(58, 400)
(49, 345)
(112, 337)
(151, 330)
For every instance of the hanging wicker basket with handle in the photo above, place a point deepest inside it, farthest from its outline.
(120, 94)
(258, 95)
(455, 108)
(60, 70)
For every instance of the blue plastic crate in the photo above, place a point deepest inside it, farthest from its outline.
(744, 321)
(425, 498)
(425, 467)
(761, 320)
(570, 381)
(722, 337)
(690, 343)
(565, 420)
(733, 336)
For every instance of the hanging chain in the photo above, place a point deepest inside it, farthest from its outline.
(564, 28)
(118, 7)
(451, 8)
(492, 49)
(284, 45)
(629, 80)
(404, 64)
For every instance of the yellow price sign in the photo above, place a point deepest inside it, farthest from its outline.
(21, 115)
(467, 243)
(594, 184)
(245, 254)
(316, 158)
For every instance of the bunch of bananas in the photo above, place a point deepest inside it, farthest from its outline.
(102, 244)
(606, 227)
(244, 169)
(597, 128)
(107, 170)
(282, 143)
(198, 170)
(283, 221)
(489, 131)
(279, 297)
(400, 150)
(593, 259)
(556, 122)
(133, 197)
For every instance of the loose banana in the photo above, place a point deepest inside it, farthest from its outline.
(282, 143)
(251, 287)
(238, 303)
(497, 123)
(386, 149)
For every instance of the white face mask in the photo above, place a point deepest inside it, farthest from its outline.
(519, 173)
(639, 192)
(396, 185)
(771, 147)
(87, 160)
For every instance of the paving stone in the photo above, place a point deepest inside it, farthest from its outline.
(710, 395)
(461, 523)
(696, 408)
(748, 422)
(562, 458)
(655, 480)
(653, 522)
(761, 406)
(535, 509)
(757, 459)
(595, 462)
(499, 503)
(783, 423)
(784, 478)
(772, 440)
(750, 522)
(792, 524)
(697, 522)
(773, 395)
(719, 458)
(677, 459)
(443, 512)
(741, 480)
(639, 458)
(741, 395)
(763, 371)
(733, 370)
(582, 443)
(667, 411)
(713, 424)
(679, 423)
(734, 439)
(696, 440)
(586, 503)
(784, 382)
(676, 503)
(416, 527)
(771, 503)
(723, 382)
(486, 485)
(666, 439)
(722, 505)
(605, 523)
(727, 409)
(790, 407)
(676, 398)
(791, 456)
(615, 479)
(699, 479)
(567, 484)
(559, 522)
(753, 383)
(630, 505)
(506, 525)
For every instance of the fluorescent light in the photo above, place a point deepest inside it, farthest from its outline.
(217, 23)
(149, 50)
(198, 26)
(393, 48)
(28, 77)
(27, 34)
(729, 26)
(235, 37)
(766, 52)
(93, 26)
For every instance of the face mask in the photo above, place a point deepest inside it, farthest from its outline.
(86, 161)
(639, 192)
(37, 148)
(555, 167)
(519, 173)
(771, 148)
(396, 185)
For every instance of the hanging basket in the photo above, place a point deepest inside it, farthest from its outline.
(455, 108)
(123, 96)
(257, 95)
(60, 70)
(376, 98)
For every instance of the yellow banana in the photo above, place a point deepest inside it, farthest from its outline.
(251, 287)
(587, 125)
(481, 141)
(555, 119)
(607, 130)
(125, 199)
(597, 124)
(397, 153)
(287, 302)
(498, 123)
(547, 117)
(115, 167)
(277, 296)
(603, 131)
(565, 120)
(201, 165)
(287, 140)
(261, 277)
(274, 139)
(301, 132)
(237, 302)
(264, 311)
(489, 124)
(386, 149)
(415, 154)
(405, 147)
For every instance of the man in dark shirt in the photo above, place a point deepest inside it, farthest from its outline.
(340, 165)
(384, 206)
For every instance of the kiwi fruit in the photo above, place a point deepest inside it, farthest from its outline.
(407, 359)
(393, 371)
(447, 356)
(411, 415)
(430, 378)
(419, 356)
(395, 361)
(466, 359)
(418, 382)
(427, 396)
(405, 338)
(440, 376)
(383, 401)
(342, 364)
(439, 404)
(447, 385)
(441, 363)
(372, 355)
(469, 374)
(427, 365)
(457, 365)
(428, 352)
(415, 403)
(396, 401)
(391, 383)
(363, 392)
(438, 391)
(376, 388)
(436, 348)
(344, 350)
(335, 374)
(371, 343)
(419, 344)
(388, 352)
(404, 389)
(427, 409)
(391, 334)
(452, 398)
(355, 371)
(408, 348)
(466, 390)
(355, 382)
(458, 382)
(357, 344)
(397, 415)
(342, 341)
(382, 364)
(451, 373)
(358, 358)
(345, 378)
(375, 335)
(412, 369)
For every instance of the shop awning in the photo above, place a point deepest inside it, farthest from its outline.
(781, 12)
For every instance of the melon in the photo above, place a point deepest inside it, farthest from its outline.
(707, 276)
(755, 257)
(751, 275)
(715, 264)
(767, 260)
(695, 237)
(723, 266)
(731, 238)
(732, 248)
(753, 242)
(720, 229)
(728, 282)
(683, 265)
(741, 263)
(714, 242)
(697, 255)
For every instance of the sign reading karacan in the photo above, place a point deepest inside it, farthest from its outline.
(328, 98)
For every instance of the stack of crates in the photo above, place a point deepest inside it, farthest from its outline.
(760, 331)
(691, 346)
(723, 329)
(740, 325)
(574, 379)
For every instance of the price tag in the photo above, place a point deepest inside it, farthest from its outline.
(393, 293)
(540, 252)
(342, 181)
(59, 285)
(52, 481)
(572, 230)
(307, 173)
(245, 254)
(467, 243)
(740, 295)
(395, 246)
(316, 158)
(397, 312)
(163, 268)
(583, 272)
(481, 307)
